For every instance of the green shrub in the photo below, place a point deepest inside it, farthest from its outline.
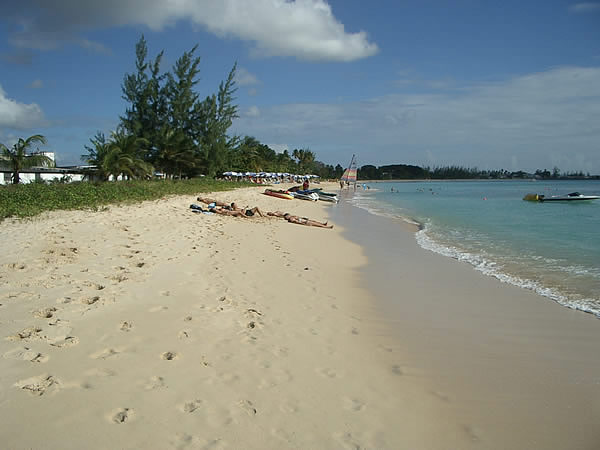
(26, 200)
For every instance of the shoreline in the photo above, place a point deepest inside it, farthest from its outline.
(479, 342)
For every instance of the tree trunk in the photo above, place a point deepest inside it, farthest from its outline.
(16, 178)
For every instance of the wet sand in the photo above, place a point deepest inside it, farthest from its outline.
(515, 369)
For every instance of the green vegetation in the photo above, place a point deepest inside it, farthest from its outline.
(168, 127)
(27, 200)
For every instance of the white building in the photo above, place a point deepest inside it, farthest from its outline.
(68, 174)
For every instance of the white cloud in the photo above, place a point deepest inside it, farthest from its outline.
(36, 84)
(279, 148)
(17, 115)
(585, 7)
(305, 29)
(245, 78)
(253, 111)
(540, 120)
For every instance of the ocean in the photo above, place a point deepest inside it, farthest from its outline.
(550, 248)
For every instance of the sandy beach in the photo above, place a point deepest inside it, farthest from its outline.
(150, 326)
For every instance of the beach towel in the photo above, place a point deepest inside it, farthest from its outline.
(198, 209)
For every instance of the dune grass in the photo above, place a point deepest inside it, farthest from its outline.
(28, 200)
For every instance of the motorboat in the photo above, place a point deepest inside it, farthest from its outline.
(573, 196)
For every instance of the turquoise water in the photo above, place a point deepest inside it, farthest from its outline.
(551, 248)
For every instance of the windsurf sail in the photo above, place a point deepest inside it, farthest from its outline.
(349, 175)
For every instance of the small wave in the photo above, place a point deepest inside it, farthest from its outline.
(365, 203)
(492, 269)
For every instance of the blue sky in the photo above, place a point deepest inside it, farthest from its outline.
(487, 84)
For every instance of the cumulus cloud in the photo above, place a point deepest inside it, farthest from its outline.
(536, 120)
(585, 7)
(17, 115)
(305, 29)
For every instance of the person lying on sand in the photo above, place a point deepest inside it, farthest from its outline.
(226, 212)
(247, 211)
(299, 220)
(208, 201)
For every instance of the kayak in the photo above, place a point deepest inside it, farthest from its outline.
(280, 194)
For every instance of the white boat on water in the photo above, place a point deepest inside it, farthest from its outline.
(573, 196)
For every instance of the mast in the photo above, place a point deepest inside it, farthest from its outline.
(349, 175)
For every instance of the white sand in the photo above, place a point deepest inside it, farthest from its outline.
(149, 326)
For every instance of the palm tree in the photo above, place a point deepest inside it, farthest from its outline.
(176, 153)
(97, 154)
(123, 157)
(305, 159)
(18, 158)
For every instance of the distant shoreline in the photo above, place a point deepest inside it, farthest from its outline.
(420, 180)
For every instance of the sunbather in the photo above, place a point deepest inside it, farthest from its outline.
(226, 212)
(299, 220)
(208, 201)
(247, 211)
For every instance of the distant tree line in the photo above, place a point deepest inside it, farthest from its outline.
(410, 172)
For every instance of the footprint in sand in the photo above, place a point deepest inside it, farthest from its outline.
(155, 382)
(90, 300)
(248, 406)
(26, 354)
(169, 356)
(252, 313)
(126, 326)
(191, 406)
(38, 385)
(122, 415)
(397, 370)
(45, 313)
(441, 396)
(102, 373)
(353, 404)
(347, 440)
(25, 334)
(63, 341)
(326, 372)
(183, 334)
(105, 353)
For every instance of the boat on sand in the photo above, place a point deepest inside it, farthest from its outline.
(280, 194)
